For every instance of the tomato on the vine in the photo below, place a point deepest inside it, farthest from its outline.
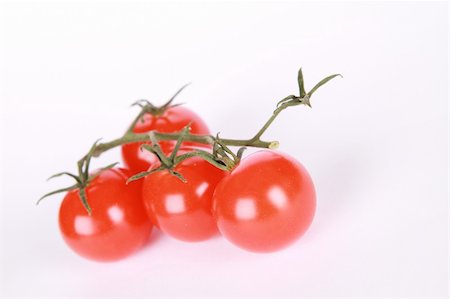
(173, 119)
(180, 209)
(266, 203)
(117, 225)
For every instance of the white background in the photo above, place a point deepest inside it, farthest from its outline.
(375, 142)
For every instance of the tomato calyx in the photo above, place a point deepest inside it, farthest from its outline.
(83, 178)
(304, 97)
(149, 108)
(167, 162)
(221, 157)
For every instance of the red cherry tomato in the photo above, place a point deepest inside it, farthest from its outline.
(118, 224)
(266, 203)
(183, 210)
(172, 120)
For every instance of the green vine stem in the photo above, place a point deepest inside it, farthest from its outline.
(255, 141)
(219, 144)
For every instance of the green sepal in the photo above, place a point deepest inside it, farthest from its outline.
(177, 175)
(84, 201)
(180, 139)
(140, 175)
(143, 103)
(301, 83)
(240, 152)
(226, 149)
(65, 173)
(156, 149)
(169, 102)
(138, 103)
(204, 155)
(286, 99)
(56, 192)
(322, 82)
(109, 166)
(148, 147)
(101, 170)
(88, 160)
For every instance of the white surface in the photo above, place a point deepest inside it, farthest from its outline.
(375, 142)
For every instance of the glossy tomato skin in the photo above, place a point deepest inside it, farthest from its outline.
(172, 120)
(266, 203)
(118, 224)
(183, 210)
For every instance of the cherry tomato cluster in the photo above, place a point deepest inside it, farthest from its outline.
(263, 203)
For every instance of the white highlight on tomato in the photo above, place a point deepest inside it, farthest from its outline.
(201, 189)
(245, 209)
(115, 214)
(84, 226)
(175, 203)
(277, 197)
